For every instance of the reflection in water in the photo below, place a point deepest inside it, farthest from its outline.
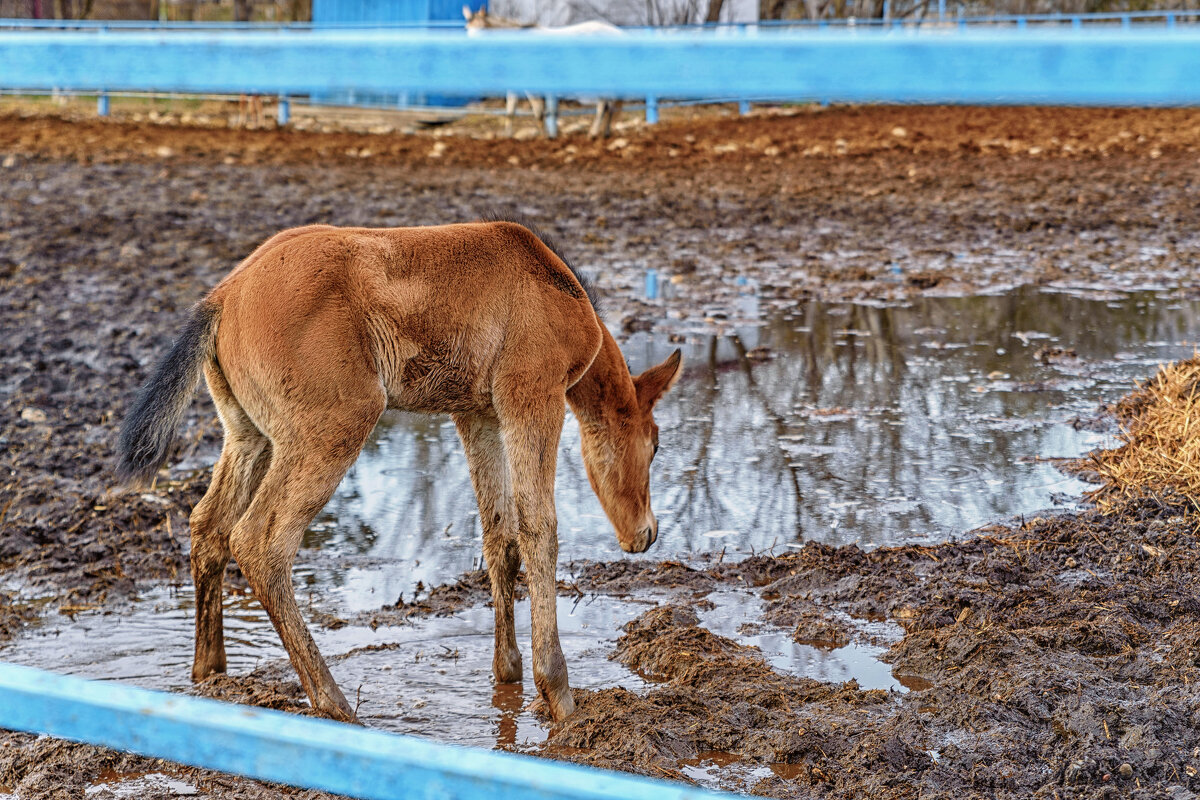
(508, 699)
(858, 660)
(837, 422)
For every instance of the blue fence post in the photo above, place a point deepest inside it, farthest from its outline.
(651, 284)
(743, 106)
(1126, 23)
(941, 10)
(1170, 20)
(102, 105)
(551, 116)
(651, 110)
(285, 111)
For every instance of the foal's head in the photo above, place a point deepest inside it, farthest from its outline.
(620, 439)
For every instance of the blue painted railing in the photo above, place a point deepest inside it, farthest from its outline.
(1049, 67)
(299, 751)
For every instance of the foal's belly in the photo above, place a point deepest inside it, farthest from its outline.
(436, 384)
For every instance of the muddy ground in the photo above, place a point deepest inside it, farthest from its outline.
(1055, 657)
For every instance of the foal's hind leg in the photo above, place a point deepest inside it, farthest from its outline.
(244, 459)
(305, 469)
(498, 515)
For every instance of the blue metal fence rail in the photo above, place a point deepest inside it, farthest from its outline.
(1048, 67)
(972, 60)
(300, 751)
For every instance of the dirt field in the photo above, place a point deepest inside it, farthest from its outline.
(1055, 658)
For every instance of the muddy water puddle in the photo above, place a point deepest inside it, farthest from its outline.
(430, 677)
(831, 662)
(841, 423)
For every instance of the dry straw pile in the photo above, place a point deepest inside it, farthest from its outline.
(1160, 435)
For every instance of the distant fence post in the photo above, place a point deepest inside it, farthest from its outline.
(743, 106)
(285, 111)
(651, 110)
(102, 104)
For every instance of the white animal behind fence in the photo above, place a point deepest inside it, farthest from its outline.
(605, 108)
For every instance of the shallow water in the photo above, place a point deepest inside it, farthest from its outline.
(868, 424)
(430, 678)
(836, 422)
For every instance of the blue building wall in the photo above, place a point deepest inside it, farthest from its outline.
(390, 12)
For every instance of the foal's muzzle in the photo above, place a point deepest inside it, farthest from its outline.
(646, 537)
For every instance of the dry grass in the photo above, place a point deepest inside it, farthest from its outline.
(1160, 435)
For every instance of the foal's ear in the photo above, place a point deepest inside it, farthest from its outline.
(652, 384)
(467, 13)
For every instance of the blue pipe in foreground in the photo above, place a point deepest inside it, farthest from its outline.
(299, 751)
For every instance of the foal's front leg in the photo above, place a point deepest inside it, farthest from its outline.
(498, 516)
(531, 429)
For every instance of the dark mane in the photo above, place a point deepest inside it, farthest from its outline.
(584, 281)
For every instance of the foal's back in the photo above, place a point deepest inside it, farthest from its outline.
(436, 313)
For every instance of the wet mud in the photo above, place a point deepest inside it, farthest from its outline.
(1051, 656)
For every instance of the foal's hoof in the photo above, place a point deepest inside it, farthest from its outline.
(336, 709)
(507, 669)
(202, 672)
(340, 715)
(555, 710)
(564, 708)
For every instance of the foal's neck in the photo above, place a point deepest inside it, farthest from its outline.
(605, 393)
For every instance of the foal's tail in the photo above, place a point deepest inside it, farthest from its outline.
(150, 422)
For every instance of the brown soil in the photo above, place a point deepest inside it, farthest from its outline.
(1056, 652)
(1046, 656)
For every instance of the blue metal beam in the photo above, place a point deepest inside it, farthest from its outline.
(996, 66)
(299, 751)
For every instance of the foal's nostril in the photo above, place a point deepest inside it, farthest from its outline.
(648, 535)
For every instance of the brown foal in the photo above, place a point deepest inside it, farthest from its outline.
(319, 330)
